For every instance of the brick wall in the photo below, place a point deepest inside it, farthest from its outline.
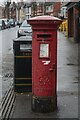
(56, 8)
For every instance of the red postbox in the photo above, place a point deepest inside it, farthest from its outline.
(44, 62)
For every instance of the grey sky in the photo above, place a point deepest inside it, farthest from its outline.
(2, 1)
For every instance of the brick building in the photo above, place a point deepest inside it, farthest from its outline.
(37, 9)
(56, 8)
(46, 8)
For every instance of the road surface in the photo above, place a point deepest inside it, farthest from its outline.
(6, 58)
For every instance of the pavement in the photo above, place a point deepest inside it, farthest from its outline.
(67, 86)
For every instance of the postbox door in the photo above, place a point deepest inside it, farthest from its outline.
(45, 68)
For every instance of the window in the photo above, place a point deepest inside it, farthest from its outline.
(51, 7)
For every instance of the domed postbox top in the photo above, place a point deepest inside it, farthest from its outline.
(45, 20)
(45, 17)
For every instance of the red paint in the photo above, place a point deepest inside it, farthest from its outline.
(44, 76)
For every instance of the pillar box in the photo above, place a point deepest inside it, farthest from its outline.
(44, 63)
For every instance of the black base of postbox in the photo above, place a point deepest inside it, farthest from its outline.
(44, 105)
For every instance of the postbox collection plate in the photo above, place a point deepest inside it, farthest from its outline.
(44, 50)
